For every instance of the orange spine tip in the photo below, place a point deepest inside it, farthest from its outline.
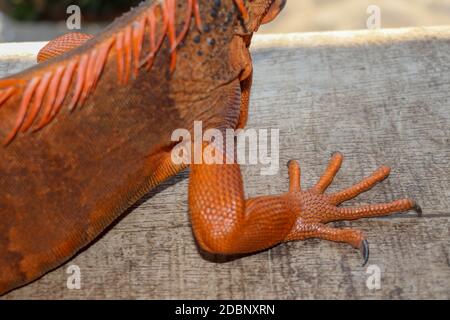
(80, 81)
(138, 40)
(119, 57)
(198, 19)
(155, 45)
(64, 87)
(169, 20)
(241, 6)
(38, 99)
(89, 77)
(150, 20)
(101, 61)
(187, 22)
(51, 97)
(128, 54)
(28, 94)
(5, 95)
(152, 23)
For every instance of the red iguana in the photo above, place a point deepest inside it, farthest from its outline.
(87, 133)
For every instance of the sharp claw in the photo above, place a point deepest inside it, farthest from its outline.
(335, 153)
(418, 209)
(365, 252)
(291, 162)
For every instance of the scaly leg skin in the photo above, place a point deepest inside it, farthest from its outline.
(62, 44)
(225, 223)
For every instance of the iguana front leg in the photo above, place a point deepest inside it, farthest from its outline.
(224, 222)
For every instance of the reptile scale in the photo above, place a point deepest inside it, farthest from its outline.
(86, 133)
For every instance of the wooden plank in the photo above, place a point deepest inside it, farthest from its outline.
(380, 97)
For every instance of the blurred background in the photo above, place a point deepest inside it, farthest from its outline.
(37, 20)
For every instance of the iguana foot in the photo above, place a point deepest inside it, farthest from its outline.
(317, 208)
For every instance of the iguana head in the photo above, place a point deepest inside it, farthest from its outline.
(261, 12)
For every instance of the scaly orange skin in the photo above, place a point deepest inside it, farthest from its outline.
(88, 134)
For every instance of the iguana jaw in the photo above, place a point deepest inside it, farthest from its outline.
(255, 13)
(274, 10)
(261, 12)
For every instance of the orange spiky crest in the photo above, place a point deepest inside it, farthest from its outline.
(45, 94)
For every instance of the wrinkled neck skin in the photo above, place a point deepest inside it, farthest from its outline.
(212, 62)
(258, 12)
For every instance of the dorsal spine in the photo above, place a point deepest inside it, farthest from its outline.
(45, 94)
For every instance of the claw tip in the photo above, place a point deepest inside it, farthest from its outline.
(290, 162)
(365, 252)
(418, 209)
(336, 154)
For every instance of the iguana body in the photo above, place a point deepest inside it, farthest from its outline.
(87, 133)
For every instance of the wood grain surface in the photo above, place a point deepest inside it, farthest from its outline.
(380, 97)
